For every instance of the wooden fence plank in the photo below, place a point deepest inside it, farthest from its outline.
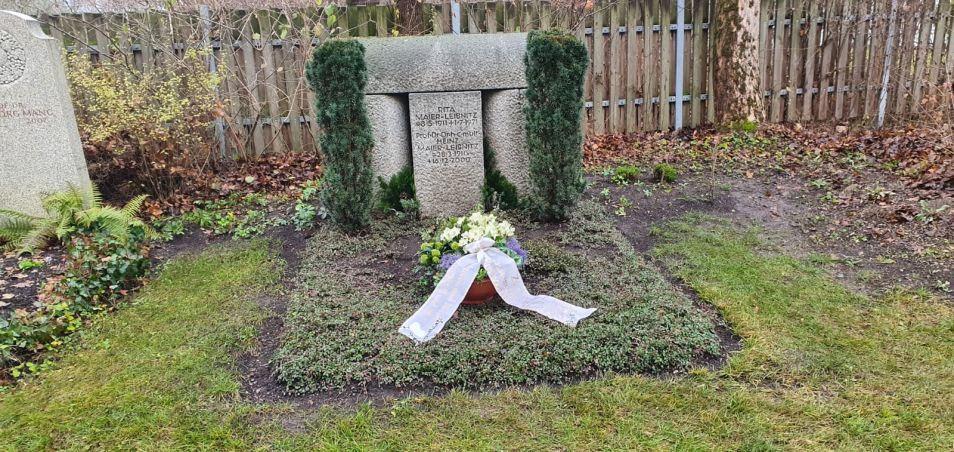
(908, 35)
(309, 107)
(796, 59)
(546, 15)
(825, 70)
(940, 35)
(949, 61)
(666, 63)
(647, 115)
(856, 83)
(252, 85)
(842, 48)
(491, 16)
(879, 34)
(598, 73)
(473, 16)
(633, 68)
(291, 72)
(766, 12)
(778, 59)
(270, 77)
(699, 56)
(927, 21)
(710, 66)
(616, 124)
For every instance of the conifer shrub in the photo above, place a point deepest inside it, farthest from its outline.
(497, 191)
(337, 74)
(394, 193)
(555, 65)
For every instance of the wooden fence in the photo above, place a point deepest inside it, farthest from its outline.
(820, 59)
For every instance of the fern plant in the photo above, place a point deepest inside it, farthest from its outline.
(68, 212)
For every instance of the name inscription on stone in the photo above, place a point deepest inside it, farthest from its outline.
(448, 136)
(25, 114)
(447, 142)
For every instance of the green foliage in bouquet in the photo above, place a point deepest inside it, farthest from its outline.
(447, 242)
(337, 74)
(555, 65)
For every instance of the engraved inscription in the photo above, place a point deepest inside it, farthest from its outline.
(447, 141)
(19, 112)
(447, 136)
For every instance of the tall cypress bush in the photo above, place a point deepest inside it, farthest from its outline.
(555, 66)
(337, 74)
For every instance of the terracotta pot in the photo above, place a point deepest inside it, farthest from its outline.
(480, 292)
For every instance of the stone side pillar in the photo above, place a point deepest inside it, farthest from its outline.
(505, 134)
(392, 135)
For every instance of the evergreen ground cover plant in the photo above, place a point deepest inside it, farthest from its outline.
(338, 75)
(342, 322)
(555, 65)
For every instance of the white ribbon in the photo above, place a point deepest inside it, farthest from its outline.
(429, 320)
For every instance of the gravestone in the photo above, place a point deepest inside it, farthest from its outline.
(40, 150)
(447, 148)
(443, 69)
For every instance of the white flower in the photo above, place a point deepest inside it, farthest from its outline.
(506, 230)
(470, 236)
(449, 234)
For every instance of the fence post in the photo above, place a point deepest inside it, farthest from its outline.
(680, 58)
(455, 17)
(888, 51)
(213, 68)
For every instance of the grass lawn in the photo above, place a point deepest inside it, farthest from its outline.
(821, 368)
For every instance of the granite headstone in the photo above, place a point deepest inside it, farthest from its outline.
(447, 148)
(40, 150)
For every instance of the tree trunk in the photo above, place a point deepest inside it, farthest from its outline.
(738, 94)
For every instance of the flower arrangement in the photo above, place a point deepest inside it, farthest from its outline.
(446, 245)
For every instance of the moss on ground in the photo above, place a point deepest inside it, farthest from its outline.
(341, 327)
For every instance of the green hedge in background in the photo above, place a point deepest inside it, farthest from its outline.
(337, 74)
(555, 66)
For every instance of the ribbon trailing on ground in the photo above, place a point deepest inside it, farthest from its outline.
(430, 319)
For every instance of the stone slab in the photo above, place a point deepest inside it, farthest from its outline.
(445, 63)
(392, 135)
(40, 150)
(447, 148)
(505, 133)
